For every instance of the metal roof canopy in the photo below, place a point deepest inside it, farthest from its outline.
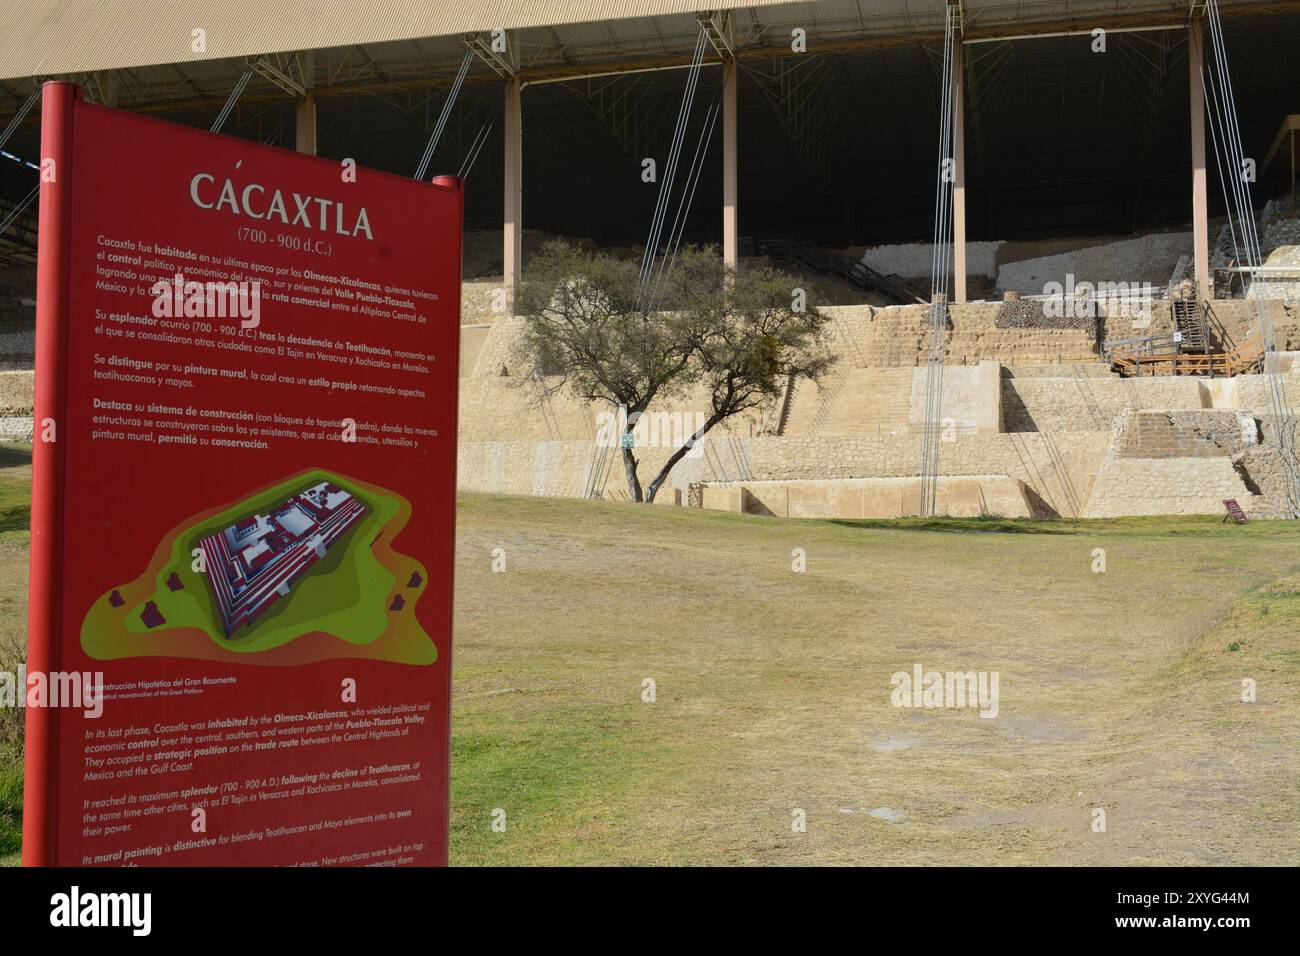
(366, 46)
(878, 53)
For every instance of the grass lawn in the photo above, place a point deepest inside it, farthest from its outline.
(1118, 690)
(15, 505)
(11, 811)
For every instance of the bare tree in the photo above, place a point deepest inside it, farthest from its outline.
(614, 338)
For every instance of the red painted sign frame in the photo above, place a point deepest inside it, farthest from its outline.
(111, 509)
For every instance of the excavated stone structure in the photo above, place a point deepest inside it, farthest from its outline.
(1033, 423)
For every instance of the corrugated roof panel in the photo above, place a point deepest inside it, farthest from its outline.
(54, 37)
(47, 37)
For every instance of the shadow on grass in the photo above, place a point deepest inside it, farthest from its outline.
(16, 518)
(1199, 526)
(11, 805)
(963, 525)
(14, 456)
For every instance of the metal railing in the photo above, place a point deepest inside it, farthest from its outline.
(1247, 357)
(807, 255)
(1164, 343)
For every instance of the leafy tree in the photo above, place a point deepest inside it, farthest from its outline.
(613, 338)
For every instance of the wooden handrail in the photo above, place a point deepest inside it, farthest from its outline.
(1241, 358)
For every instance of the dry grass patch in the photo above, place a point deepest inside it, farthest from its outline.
(773, 687)
(1119, 690)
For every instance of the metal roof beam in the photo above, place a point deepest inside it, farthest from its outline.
(501, 65)
(717, 28)
(264, 67)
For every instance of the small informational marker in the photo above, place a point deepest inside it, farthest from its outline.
(1234, 511)
(627, 441)
(243, 509)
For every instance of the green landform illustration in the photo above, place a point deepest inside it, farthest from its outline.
(301, 570)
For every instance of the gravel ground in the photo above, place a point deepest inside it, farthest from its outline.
(1144, 259)
(912, 259)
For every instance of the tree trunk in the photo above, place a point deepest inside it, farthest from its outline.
(678, 455)
(629, 468)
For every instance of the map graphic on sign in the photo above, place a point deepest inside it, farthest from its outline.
(255, 561)
(307, 556)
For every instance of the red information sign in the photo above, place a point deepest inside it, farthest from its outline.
(243, 502)
(1234, 511)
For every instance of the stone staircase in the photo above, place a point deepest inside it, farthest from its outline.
(1189, 320)
(894, 338)
(852, 402)
(874, 403)
(898, 337)
(804, 403)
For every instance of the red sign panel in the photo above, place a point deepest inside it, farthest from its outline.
(243, 502)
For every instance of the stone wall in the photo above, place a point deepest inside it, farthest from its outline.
(1078, 403)
(1254, 391)
(1043, 314)
(562, 468)
(16, 428)
(1232, 322)
(542, 468)
(964, 497)
(1067, 441)
(506, 409)
(17, 317)
(1167, 486)
(472, 338)
(17, 393)
(1264, 471)
(498, 348)
(1054, 418)
(864, 336)
(1057, 470)
(1230, 431)
(1190, 434)
(480, 300)
(869, 337)
(975, 338)
(971, 399)
(1283, 284)
(1134, 320)
(1069, 434)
